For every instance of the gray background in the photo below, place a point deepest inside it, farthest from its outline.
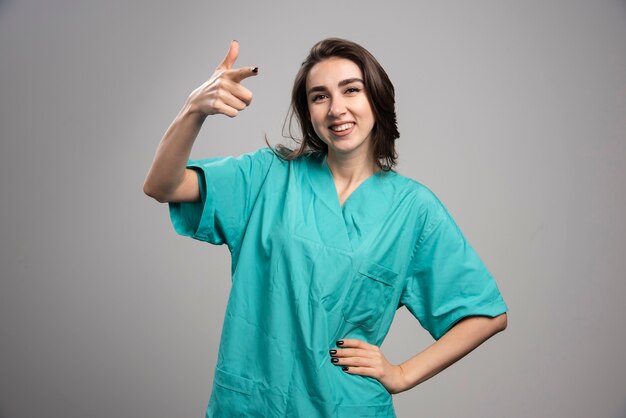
(514, 113)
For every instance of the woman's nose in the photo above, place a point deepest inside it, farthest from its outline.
(337, 108)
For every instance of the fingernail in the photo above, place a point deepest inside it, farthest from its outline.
(344, 368)
(234, 40)
(255, 69)
(334, 360)
(332, 352)
(340, 342)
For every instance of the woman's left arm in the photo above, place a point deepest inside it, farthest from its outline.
(359, 357)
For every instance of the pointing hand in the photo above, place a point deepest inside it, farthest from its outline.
(223, 92)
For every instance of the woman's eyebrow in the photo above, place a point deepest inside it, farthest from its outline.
(316, 88)
(350, 81)
(340, 84)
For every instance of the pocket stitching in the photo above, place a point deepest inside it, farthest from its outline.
(233, 382)
(378, 273)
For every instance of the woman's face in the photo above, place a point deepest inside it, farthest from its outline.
(340, 110)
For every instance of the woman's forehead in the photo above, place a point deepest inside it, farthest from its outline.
(330, 72)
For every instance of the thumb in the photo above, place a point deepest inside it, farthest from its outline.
(231, 56)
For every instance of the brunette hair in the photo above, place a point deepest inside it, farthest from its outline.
(379, 90)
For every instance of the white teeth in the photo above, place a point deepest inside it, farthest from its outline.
(339, 128)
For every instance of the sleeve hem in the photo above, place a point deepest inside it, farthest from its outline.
(497, 307)
(185, 222)
(207, 194)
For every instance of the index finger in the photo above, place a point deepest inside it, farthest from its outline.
(242, 73)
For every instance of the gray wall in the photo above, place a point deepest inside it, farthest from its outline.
(514, 113)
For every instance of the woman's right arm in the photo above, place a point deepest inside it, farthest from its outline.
(169, 179)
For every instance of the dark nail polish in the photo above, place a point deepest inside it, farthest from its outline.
(332, 352)
(344, 368)
(340, 342)
(255, 69)
(334, 360)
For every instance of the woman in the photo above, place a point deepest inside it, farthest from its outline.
(327, 242)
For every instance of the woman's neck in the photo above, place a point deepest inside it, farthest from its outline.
(351, 167)
(349, 171)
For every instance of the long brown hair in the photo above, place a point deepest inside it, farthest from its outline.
(379, 90)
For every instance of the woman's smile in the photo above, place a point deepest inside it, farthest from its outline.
(342, 129)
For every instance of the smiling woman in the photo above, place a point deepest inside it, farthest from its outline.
(359, 65)
(327, 242)
(340, 111)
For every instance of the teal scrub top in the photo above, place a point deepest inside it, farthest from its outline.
(307, 271)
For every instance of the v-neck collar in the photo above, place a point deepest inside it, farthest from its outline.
(364, 208)
(330, 174)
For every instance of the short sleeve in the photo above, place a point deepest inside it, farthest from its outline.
(447, 280)
(229, 187)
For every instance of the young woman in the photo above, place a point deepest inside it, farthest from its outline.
(327, 242)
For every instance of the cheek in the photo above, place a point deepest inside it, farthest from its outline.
(366, 109)
(319, 130)
(318, 118)
(369, 114)
(315, 122)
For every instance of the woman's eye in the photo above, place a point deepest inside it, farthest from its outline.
(351, 90)
(318, 97)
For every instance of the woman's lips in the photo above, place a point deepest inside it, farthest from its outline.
(342, 129)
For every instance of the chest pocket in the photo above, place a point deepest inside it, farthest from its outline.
(370, 293)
